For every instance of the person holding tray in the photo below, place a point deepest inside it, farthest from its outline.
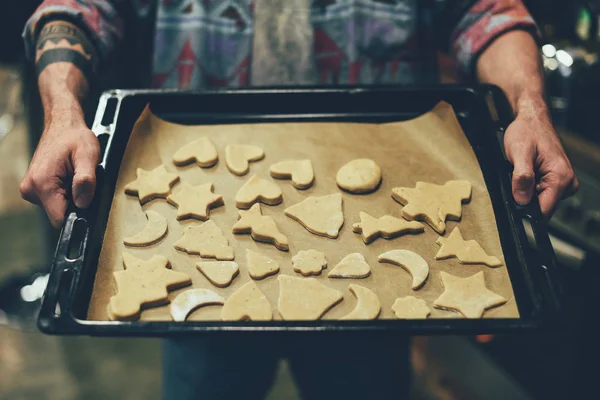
(198, 44)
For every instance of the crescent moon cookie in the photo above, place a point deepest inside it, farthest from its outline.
(368, 306)
(238, 157)
(149, 185)
(359, 176)
(321, 216)
(192, 299)
(466, 251)
(413, 263)
(194, 201)
(433, 203)
(299, 171)
(201, 151)
(302, 299)
(387, 227)
(155, 230)
(247, 303)
(257, 189)
(143, 283)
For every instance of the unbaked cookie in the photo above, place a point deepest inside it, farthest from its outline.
(411, 262)
(156, 228)
(368, 306)
(201, 151)
(206, 240)
(219, 273)
(433, 203)
(466, 251)
(192, 299)
(359, 176)
(387, 227)
(352, 266)
(468, 296)
(237, 157)
(260, 266)
(257, 189)
(261, 227)
(247, 303)
(151, 185)
(304, 299)
(299, 171)
(143, 283)
(194, 201)
(309, 262)
(322, 215)
(410, 307)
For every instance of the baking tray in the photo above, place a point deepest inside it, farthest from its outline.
(483, 113)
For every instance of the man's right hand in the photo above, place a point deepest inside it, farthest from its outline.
(63, 166)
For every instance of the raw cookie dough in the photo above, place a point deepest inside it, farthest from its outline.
(260, 266)
(257, 189)
(151, 185)
(219, 273)
(156, 228)
(322, 215)
(247, 303)
(411, 262)
(143, 283)
(352, 266)
(410, 307)
(299, 171)
(387, 227)
(466, 251)
(261, 227)
(194, 201)
(304, 299)
(201, 151)
(206, 240)
(368, 306)
(309, 262)
(359, 176)
(433, 203)
(237, 157)
(468, 296)
(192, 299)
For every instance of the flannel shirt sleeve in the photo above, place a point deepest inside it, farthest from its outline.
(101, 20)
(485, 21)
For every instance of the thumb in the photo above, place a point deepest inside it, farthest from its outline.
(523, 177)
(84, 177)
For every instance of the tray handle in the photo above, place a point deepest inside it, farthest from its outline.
(105, 121)
(502, 115)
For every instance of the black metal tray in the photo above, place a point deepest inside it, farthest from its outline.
(483, 113)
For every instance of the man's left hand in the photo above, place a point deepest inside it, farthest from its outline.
(539, 161)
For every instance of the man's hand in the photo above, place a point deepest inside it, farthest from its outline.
(63, 166)
(539, 160)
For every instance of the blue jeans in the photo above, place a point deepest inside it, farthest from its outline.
(324, 367)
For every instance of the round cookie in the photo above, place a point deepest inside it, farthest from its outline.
(359, 176)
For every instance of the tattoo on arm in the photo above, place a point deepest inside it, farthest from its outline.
(60, 41)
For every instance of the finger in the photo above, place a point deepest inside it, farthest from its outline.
(84, 179)
(28, 193)
(55, 205)
(548, 198)
(523, 178)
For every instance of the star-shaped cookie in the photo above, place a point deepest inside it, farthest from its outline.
(433, 203)
(151, 185)
(194, 201)
(387, 227)
(466, 251)
(468, 296)
(261, 227)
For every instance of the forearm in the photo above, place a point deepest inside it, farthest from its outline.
(513, 63)
(64, 61)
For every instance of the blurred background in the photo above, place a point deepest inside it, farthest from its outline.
(534, 366)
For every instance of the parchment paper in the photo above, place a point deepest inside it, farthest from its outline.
(429, 148)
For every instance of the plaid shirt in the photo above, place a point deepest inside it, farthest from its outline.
(208, 43)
